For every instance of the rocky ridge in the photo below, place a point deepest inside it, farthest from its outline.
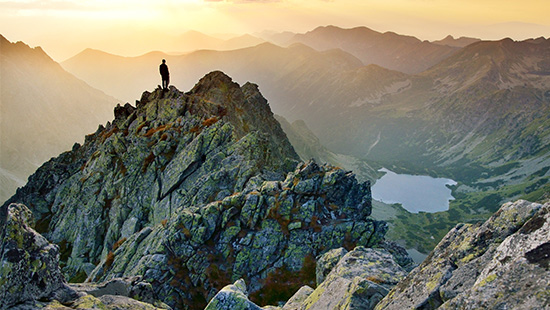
(192, 191)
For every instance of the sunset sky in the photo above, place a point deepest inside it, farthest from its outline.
(132, 27)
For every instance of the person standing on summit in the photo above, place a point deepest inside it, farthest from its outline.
(164, 74)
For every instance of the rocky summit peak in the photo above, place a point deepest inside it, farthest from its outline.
(192, 191)
(214, 80)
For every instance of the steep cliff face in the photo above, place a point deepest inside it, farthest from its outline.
(193, 191)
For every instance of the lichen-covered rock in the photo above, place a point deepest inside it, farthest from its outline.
(326, 262)
(400, 255)
(296, 301)
(260, 234)
(134, 288)
(90, 302)
(30, 277)
(500, 264)
(29, 267)
(233, 296)
(360, 279)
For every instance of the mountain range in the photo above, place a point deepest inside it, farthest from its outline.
(389, 50)
(44, 111)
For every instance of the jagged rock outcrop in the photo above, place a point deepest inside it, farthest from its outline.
(359, 280)
(30, 277)
(193, 191)
(268, 235)
(500, 264)
(29, 267)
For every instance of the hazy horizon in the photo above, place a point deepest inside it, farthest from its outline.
(131, 28)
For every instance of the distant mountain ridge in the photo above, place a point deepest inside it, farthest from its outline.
(44, 111)
(460, 42)
(389, 50)
(194, 40)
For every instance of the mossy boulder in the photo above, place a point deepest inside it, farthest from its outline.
(358, 279)
(233, 296)
(501, 263)
(29, 267)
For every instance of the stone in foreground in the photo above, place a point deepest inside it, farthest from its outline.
(233, 296)
(29, 267)
(359, 281)
(500, 264)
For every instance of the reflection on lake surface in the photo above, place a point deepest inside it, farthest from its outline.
(414, 192)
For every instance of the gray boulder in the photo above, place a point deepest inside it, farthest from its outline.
(326, 263)
(500, 264)
(296, 301)
(359, 280)
(233, 296)
(29, 267)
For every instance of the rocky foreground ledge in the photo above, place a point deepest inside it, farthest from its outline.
(500, 264)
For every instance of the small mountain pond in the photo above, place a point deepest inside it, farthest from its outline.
(414, 192)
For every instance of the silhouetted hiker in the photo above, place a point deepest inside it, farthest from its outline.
(164, 74)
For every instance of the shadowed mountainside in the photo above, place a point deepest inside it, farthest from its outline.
(44, 110)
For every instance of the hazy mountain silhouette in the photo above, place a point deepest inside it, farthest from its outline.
(194, 40)
(272, 67)
(460, 42)
(239, 42)
(279, 38)
(45, 110)
(389, 50)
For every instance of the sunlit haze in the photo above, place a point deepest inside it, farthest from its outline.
(128, 27)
